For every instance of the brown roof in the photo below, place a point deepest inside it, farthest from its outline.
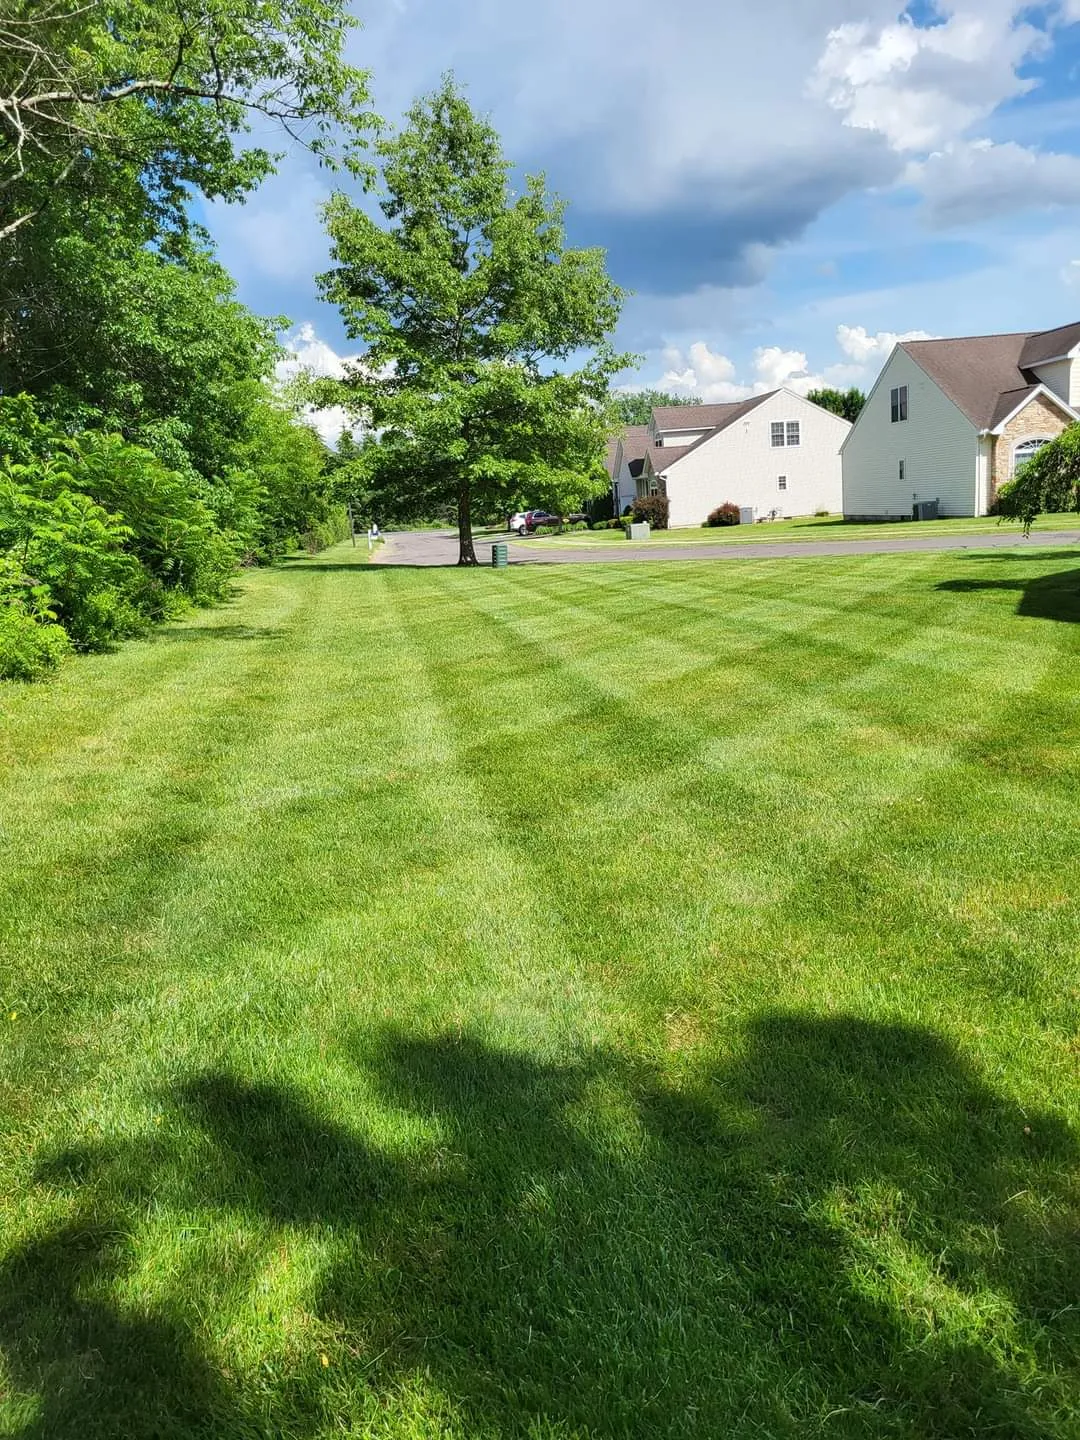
(1049, 345)
(988, 376)
(662, 457)
(703, 417)
(635, 441)
(975, 372)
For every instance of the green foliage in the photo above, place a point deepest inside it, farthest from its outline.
(31, 643)
(148, 102)
(726, 514)
(1049, 481)
(636, 408)
(469, 302)
(651, 510)
(848, 404)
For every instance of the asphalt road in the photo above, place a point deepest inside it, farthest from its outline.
(440, 547)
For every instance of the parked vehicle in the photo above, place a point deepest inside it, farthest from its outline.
(518, 523)
(535, 518)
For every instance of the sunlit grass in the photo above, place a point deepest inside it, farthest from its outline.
(809, 527)
(591, 1001)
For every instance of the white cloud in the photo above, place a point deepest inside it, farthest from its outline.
(977, 180)
(871, 351)
(919, 86)
(712, 377)
(307, 355)
(1070, 273)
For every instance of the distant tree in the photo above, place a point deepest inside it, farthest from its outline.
(471, 306)
(848, 404)
(1049, 481)
(636, 408)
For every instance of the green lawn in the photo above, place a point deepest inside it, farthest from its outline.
(809, 527)
(612, 1002)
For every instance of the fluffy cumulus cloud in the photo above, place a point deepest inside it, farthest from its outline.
(924, 87)
(714, 378)
(968, 182)
(307, 355)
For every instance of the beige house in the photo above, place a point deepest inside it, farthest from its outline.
(951, 420)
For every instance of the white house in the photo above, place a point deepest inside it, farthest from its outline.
(625, 464)
(776, 453)
(950, 420)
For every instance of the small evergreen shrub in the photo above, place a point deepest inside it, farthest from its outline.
(651, 510)
(726, 514)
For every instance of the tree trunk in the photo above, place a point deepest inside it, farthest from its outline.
(466, 553)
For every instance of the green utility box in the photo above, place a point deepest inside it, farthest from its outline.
(499, 557)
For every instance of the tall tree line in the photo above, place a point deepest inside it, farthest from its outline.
(144, 450)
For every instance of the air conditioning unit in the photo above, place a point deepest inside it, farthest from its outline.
(925, 510)
(747, 515)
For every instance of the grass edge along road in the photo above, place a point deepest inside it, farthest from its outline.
(576, 1002)
(808, 527)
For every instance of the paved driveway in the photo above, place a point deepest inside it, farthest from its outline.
(440, 547)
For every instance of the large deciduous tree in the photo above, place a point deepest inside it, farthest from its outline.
(487, 366)
(150, 99)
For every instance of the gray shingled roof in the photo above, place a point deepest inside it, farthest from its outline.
(662, 457)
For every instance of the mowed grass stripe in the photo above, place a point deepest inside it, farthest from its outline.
(564, 1003)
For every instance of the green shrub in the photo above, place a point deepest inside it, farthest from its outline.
(651, 510)
(548, 530)
(726, 514)
(578, 525)
(29, 648)
(821, 514)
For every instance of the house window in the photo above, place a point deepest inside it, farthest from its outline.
(903, 469)
(793, 432)
(778, 434)
(1025, 449)
(781, 482)
(898, 401)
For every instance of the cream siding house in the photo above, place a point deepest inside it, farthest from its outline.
(776, 454)
(950, 420)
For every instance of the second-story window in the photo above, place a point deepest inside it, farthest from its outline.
(777, 434)
(898, 402)
(794, 432)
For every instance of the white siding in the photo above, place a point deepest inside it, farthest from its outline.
(681, 437)
(937, 443)
(1063, 378)
(741, 465)
(983, 474)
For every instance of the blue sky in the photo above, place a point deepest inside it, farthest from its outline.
(786, 186)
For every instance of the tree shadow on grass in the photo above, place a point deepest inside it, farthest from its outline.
(1044, 597)
(842, 1231)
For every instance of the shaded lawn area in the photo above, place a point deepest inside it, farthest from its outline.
(806, 527)
(556, 1003)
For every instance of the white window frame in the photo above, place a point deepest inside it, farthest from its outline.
(898, 404)
(793, 428)
(778, 431)
(1037, 440)
(781, 482)
(903, 470)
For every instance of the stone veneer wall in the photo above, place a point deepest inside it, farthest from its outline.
(1036, 420)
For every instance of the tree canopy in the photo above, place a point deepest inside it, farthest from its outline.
(475, 316)
(636, 407)
(848, 404)
(150, 101)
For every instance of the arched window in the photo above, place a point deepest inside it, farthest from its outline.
(1023, 450)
